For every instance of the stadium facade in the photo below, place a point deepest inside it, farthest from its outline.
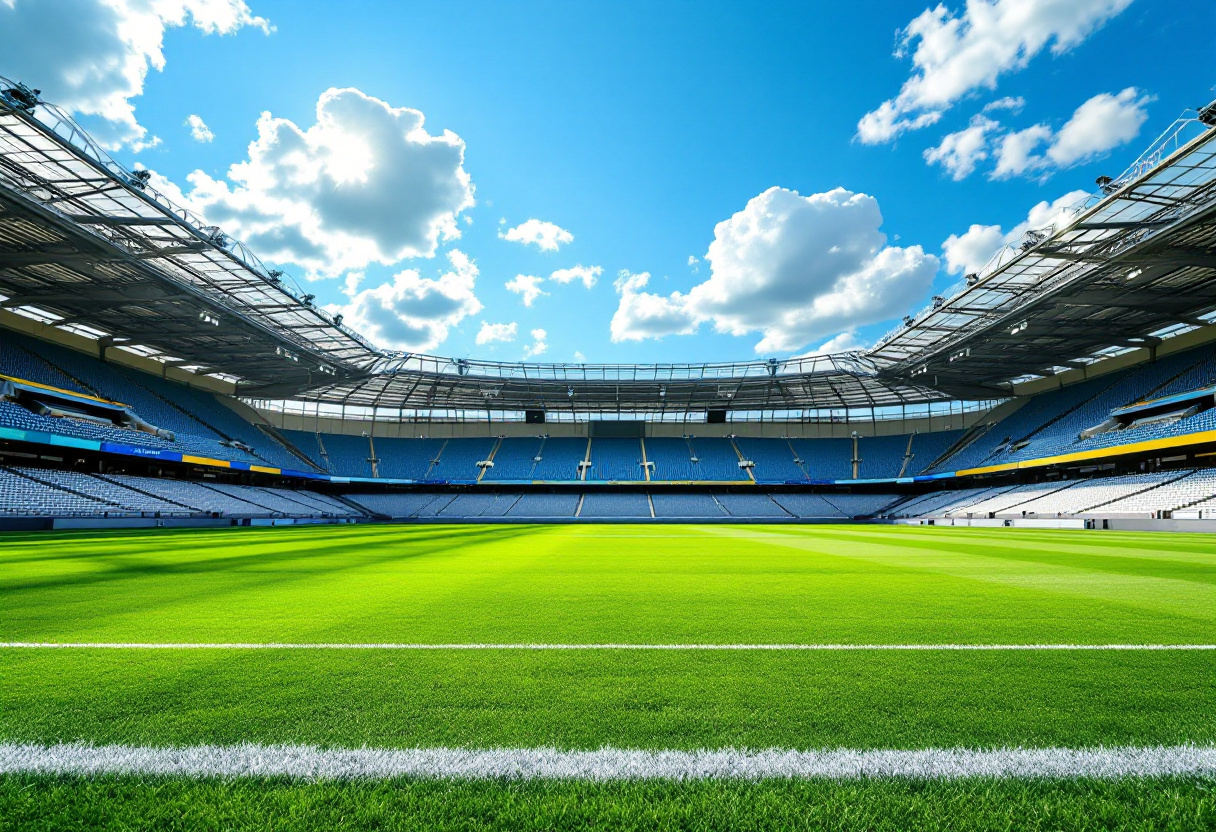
(154, 372)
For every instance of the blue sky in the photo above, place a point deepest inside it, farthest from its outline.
(636, 128)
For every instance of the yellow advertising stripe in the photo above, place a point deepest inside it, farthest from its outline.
(202, 460)
(262, 469)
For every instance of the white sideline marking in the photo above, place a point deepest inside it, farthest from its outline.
(311, 763)
(152, 645)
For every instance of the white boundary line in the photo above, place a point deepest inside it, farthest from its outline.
(118, 645)
(311, 763)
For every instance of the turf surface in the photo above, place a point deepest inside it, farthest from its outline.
(600, 584)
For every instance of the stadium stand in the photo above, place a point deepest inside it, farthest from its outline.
(860, 505)
(615, 505)
(751, 505)
(808, 506)
(616, 459)
(881, 457)
(545, 505)
(671, 460)
(560, 458)
(397, 506)
(939, 503)
(407, 459)
(1089, 494)
(467, 505)
(515, 458)
(1180, 493)
(774, 459)
(825, 459)
(105, 491)
(686, 505)
(457, 460)
(28, 497)
(927, 447)
(716, 460)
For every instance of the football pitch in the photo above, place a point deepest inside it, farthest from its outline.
(607, 676)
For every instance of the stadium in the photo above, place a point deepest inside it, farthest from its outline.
(254, 562)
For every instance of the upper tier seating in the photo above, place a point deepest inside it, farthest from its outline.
(408, 459)
(458, 459)
(774, 459)
(559, 460)
(515, 459)
(825, 459)
(881, 457)
(672, 459)
(927, 447)
(717, 460)
(616, 459)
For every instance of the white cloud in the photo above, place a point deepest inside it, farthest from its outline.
(527, 286)
(587, 274)
(641, 314)
(497, 332)
(793, 268)
(952, 55)
(544, 235)
(350, 285)
(968, 252)
(694, 264)
(1013, 104)
(92, 56)
(365, 184)
(1101, 124)
(960, 152)
(1017, 151)
(538, 345)
(413, 312)
(579, 357)
(844, 342)
(199, 131)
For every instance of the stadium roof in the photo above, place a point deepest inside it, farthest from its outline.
(87, 243)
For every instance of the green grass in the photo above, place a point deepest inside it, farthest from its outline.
(597, 584)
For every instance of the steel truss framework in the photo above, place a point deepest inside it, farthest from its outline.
(87, 242)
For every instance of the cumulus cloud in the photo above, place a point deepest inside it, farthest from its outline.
(199, 131)
(960, 152)
(365, 184)
(969, 252)
(544, 235)
(538, 346)
(412, 312)
(92, 56)
(641, 314)
(844, 342)
(1101, 124)
(497, 332)
(953, 54)
(527, 286)
(587, 274)
(1013, 104)
(790, 267)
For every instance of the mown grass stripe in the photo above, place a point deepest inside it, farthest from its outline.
(312, 763)
(120, 645)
